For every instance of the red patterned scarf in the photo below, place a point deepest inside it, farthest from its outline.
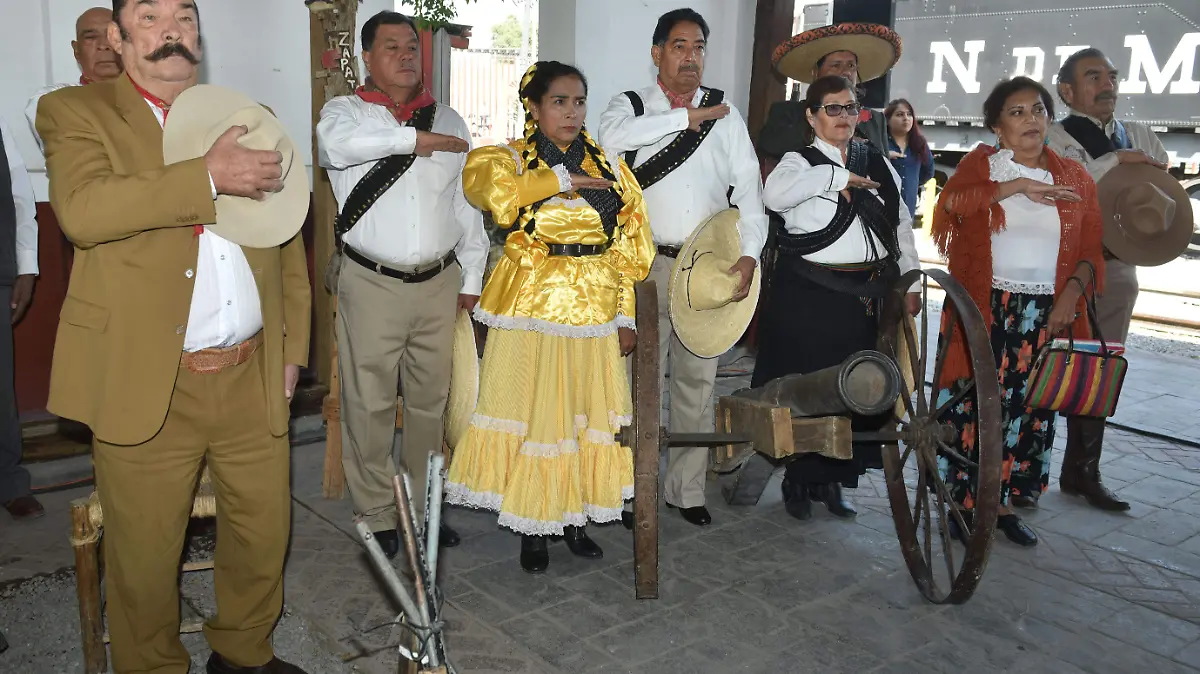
(677, 101)
(401, 111)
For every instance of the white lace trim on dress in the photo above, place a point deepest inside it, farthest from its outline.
(458, 494)
(546, 327)
(564, 177)
(1022, 287)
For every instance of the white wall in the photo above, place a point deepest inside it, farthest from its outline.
(259, 47)
(610, 42)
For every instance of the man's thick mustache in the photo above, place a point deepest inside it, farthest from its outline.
(172, 49)
(689, 69)
(1105, 97)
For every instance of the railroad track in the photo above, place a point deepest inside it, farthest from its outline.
(1155, 306)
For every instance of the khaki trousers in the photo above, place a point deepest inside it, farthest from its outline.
(146, 492)
(388, 330)
(691, 400)
(1114, 309)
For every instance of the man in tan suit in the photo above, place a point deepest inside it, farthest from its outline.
(175, 346)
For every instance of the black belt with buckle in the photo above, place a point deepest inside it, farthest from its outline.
(669, 251)
(578, 249)
(404, 276)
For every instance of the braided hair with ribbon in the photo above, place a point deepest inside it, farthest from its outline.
(541, 152)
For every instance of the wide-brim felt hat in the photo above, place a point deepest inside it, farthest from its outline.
(464, 381)
(700, 293)
(877, 47)
(198, 118)
(1147, 214)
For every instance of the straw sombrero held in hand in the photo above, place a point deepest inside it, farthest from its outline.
(464, 381)
(703, 314)
(1147, 214)
(198, 118)
(876, 47)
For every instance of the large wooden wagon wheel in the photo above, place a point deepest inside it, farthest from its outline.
(645, 438)
(922, 451)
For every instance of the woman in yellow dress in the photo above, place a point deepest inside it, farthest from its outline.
(559, 306)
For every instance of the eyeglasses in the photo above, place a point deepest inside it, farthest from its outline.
(836, 109)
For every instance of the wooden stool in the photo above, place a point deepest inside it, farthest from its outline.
(87, 527)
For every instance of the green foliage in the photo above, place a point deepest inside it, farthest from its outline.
(432, 14)
(507, 34)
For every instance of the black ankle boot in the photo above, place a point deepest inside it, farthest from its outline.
(831, 495)
(534, 558)
(796, 500)
(580, 545)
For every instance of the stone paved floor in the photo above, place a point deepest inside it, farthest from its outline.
(756, 591)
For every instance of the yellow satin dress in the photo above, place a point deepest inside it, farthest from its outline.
(553, 391)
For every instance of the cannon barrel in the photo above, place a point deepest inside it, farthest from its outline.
(866, 383)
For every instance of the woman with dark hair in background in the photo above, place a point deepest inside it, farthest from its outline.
(908, 150)
(1020, 226)
(847, 238)
(540, 449)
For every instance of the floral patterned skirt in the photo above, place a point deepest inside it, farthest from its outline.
(1018, 332)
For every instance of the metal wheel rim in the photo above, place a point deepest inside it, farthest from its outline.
(919, 558)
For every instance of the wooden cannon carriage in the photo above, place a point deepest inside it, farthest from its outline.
(760, 429)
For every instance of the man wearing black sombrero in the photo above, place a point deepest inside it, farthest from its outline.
(1147, 222)
(860, 52)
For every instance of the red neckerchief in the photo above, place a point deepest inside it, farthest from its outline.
(676, 100)
(159, 103)
(401, 111)
(84, 80)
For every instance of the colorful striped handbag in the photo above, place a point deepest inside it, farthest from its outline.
(1077, 382)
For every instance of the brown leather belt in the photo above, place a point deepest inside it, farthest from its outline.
(669, 251)
(210, 361)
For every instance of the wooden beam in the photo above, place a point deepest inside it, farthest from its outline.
(334, 67)
(773, 20)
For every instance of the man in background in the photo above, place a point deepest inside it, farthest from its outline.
(18, 269)
(95, 56)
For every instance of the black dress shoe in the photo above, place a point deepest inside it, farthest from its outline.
(580, 545)
(1023, 502)
(831, 495)
(447, 537)
(627, 519)
(697, 515)
(219, 665)
(796, 501)
(957, 531)
(389, 542)
(534, 557)
(1017, 531)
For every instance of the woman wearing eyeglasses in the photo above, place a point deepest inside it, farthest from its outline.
(848, 238)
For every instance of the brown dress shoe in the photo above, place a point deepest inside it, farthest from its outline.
(24, 508)
(219, 665)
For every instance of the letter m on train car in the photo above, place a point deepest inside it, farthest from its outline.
(1182, 61)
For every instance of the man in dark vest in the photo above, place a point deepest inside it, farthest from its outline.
(1093, 136)
(860, 52)
(18, 269)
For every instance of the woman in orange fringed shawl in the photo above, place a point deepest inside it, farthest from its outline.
(1019, 226)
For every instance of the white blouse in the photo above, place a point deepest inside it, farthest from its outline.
(1025, 252)
(807, 197)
